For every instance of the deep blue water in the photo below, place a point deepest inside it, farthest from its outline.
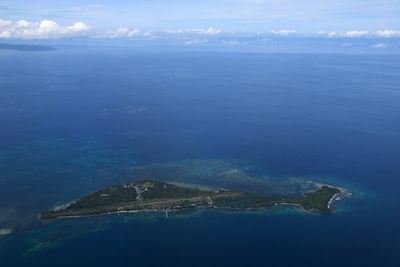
(72, 119)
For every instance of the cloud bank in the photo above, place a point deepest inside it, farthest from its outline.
(44, 29)
(47, 29)
(362, 33)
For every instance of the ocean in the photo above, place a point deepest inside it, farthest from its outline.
(73, 119)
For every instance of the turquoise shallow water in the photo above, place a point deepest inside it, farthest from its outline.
(77, 119)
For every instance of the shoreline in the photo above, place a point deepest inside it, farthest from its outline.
(152, 211)
(343, 192)
(333, 198)
(174, 200)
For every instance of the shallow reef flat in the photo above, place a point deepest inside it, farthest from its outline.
(218, 173)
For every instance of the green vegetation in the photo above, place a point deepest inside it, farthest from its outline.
(108, 196)
(151, 195)
(160, 190)
(318, 200)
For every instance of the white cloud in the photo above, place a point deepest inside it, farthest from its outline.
(148, 34)
(79, 27)
(47, 28)
(121, 33)
(5, 23)
(388, 33)
(356, 34)
(209, 31)
(332, 34)
(23, 29)
(328, 34)
(23, 23)
(47, 25)
(205, 31)
(169, 31)
(380, 46)
(361, 33)
(195, 42)
(283, 32)
(124, 32)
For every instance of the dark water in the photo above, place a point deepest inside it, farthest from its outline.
(72, 120)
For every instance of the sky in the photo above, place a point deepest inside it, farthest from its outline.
(27, 19)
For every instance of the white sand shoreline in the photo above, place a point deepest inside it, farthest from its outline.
(333, 198)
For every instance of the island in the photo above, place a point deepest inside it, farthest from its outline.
(158, 196)
(25, 47)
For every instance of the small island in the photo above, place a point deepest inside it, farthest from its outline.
(25, 47)
(158, 196)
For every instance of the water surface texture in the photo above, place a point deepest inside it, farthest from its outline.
(73, 120)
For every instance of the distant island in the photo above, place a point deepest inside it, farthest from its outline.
(24, 47)
(157, 196)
